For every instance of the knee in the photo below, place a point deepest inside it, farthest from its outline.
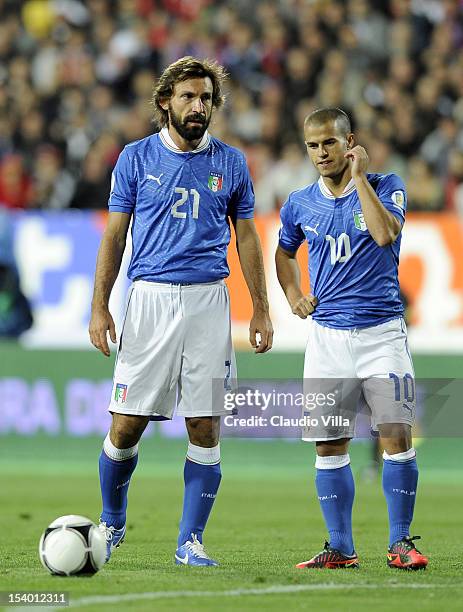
(126, 432)
(395, 437)
(203, 431)
(332, 447)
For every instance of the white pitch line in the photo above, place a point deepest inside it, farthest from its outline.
(277, 589)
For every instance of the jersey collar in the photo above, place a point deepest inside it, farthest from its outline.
(349, 188)
(170, 144)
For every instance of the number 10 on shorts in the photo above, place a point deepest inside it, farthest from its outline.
(407, 384)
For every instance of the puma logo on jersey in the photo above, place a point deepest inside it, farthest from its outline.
(308, 228)
(155, 178)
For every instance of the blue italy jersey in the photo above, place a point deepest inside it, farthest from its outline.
(355, 280)
(180, 204)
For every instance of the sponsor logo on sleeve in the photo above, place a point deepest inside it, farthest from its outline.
(398, 197)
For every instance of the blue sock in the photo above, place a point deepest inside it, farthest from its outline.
(114, 482)
(400, 480)
(336, 489)
(201, 485)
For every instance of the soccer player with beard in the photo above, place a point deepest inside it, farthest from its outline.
(352, 221)
(179, 187)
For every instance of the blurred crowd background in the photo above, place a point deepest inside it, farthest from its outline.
(76, 79)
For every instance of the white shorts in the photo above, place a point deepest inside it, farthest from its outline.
(370, 365)
(175, 340)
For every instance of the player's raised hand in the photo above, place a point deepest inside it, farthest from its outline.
(100, 323)
(304, 306)
(262, 325)
(359, 160)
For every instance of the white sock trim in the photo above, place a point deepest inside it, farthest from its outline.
(118, 454)
(400, 457)
(205, 456)
(332, 462)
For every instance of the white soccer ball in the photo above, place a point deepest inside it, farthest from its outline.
(72, 545)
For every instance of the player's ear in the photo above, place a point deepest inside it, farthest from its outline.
(350, 140)
(164, 103)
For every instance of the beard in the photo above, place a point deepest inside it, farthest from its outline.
(187, 131)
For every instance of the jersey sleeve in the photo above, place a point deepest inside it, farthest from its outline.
(123, 186)
(391, 192)
(291, 235)
(242, 202)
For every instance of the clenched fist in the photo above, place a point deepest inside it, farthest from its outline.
(359, 160)
(304, 306)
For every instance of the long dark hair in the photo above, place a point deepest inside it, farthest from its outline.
(187, 68)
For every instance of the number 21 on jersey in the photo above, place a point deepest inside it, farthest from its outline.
(184, 193)
(340, 250)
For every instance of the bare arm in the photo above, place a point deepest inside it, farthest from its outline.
(252, 265)
(383, 226)
(107, 268)
(289, 277)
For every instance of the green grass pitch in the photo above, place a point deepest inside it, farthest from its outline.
(266, 519)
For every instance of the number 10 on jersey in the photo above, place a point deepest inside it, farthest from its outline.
(184, 193)
(337, 248)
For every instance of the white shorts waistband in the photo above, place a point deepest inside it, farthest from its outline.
(396, 323)
(159, 287)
